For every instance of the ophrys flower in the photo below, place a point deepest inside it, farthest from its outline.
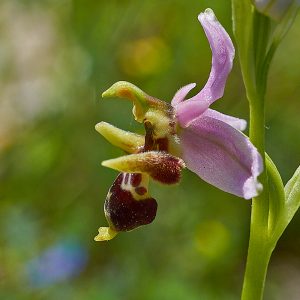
(185, 133)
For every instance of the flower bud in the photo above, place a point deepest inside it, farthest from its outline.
(275, 8)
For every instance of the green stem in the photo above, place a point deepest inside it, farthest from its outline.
(256, 269)
(260, 204)
(252, 44)
(259, 251)
(257, 122)
(256, 45)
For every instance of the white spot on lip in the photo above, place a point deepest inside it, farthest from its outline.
(126, 186)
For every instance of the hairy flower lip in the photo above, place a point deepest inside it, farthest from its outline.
(125, 208)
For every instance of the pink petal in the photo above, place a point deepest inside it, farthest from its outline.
(236, 123)
(222, 58)
(189, 110)
(222, 156)
(181, 93)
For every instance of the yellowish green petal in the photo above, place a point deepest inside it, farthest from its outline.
(127, 141)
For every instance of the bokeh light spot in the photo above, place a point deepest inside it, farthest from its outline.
(212, 239)
(144, 56)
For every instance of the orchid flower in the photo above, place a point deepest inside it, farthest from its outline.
(186, 133)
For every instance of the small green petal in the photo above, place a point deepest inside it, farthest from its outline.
(127, 141)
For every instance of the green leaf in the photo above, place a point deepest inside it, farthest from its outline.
(242, 17)
(291, 205)
(261, 36)
(292, 194)
(281, 29)
(276, 195)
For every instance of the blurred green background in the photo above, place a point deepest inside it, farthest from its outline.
(56, 57)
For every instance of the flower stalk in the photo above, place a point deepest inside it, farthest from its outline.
(259, 252)
(251, 52)
(257, 44)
